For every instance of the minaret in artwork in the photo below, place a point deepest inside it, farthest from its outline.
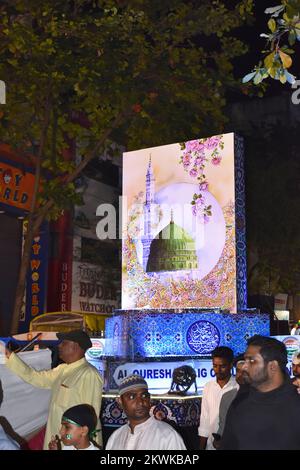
(148, 213)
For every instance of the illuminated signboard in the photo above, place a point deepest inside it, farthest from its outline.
(36, 277)
(183, 226)
(16, 186)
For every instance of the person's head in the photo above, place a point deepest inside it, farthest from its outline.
(222, 359)
(7, 176)
(73, 345)
(238, 364)
(296, 364)
(77, 425)
(265, 363)
(134, 398)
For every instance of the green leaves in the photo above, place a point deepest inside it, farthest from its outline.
(272, 25)
(285, 59)
(284, 23)
(248, 77)
(258, 76)
(274, 11)
(140, 73)
(261, 74)
(269, 60)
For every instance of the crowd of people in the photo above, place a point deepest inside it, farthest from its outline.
(258, 408)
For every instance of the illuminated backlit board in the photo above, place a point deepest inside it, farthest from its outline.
(183, 225)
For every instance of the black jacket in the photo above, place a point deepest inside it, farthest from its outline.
(263, 421)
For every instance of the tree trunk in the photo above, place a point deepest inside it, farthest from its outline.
(37, 215)
(25, 260)
(31, 227)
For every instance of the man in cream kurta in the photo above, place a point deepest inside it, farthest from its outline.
(72, 383)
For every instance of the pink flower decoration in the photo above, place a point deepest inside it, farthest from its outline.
(194, 210)
(196, 154)
(203, 186)
(212, 143)
(194, 172)
(216, 161)
(199, 160)
(199, 201)
(194, 146)
(186, 160)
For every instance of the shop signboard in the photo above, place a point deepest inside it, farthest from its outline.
(292, 344)
(92, 292)
(16, 186)
(36, 278)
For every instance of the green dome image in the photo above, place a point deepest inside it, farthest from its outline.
(173, 249)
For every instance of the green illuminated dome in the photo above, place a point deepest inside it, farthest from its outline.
(173, 249)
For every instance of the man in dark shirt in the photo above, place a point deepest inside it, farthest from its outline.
(267, 416)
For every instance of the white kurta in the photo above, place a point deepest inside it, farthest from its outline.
(6, 442)
(90, 447)
(150, 435)
(211, 398)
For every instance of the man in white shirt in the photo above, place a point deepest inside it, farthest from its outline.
(222, 359)
(142, 432)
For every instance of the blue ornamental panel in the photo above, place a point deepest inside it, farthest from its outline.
(139, 334)
(181, 412)
(202, 337)
(240, 222)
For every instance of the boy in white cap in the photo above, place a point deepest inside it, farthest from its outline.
(142, 432)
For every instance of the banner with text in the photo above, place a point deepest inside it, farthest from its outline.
(91, 290)
(36, 278)
(159, 374)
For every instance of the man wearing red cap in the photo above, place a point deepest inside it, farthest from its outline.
(72, 383)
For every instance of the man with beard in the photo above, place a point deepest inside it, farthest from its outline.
(267, 416)
(71, 383)
(142, 432)
(222, 359)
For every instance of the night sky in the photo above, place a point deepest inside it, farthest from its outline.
(272, 161)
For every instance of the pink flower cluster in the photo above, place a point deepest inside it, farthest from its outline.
(200, 210)
(196, 154)
(186, 160)
(203, 186)
(194, 146)
(216, 160)
(212, 142)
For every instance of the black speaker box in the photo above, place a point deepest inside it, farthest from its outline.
(265, 303)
